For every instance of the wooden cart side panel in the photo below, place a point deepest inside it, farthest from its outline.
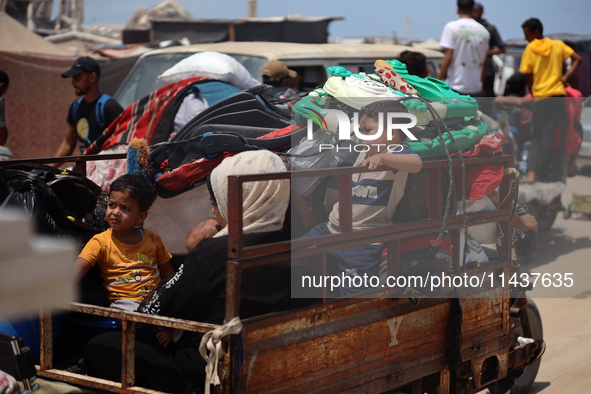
(265, 326)
(374, 344)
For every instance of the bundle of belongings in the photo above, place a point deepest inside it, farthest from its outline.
(183, 155)
(445, 123)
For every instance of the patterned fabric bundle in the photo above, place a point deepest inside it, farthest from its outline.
(393, 79)
(142, 119)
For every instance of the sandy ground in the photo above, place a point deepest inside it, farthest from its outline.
(566, 247)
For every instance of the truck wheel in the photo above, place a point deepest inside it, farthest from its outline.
(519, 381)
(527, 379)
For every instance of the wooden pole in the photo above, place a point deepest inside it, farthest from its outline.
(252, 9)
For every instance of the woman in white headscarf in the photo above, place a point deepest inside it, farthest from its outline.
(197, 290)
(264, 203)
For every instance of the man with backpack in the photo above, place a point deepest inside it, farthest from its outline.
(92, 112)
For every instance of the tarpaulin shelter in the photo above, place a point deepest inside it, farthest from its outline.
(290, 28)
(38, 98)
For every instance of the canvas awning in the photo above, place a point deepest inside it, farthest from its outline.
(15, 37)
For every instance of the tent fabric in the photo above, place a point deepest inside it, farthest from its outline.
(15, 37)
(37, 102)
(38, 98)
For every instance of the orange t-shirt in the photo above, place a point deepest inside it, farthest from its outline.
(128, 271)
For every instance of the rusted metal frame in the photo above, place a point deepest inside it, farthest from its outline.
(324, 273)
(393, 258)
(95, 383)
(455, 242)
(233, 282)
(299, 245)
(233, 298)
(46, 326)
(476, 364)
(128, 345)
(326, 243)
(345, 204)
(226, 366)
(508, 196)
(235, 233)
(484, 344)
(434, 184)
(387, 376)
(416, 386)
(256, 261)
(285, 322)
(444, 380)
(507, 160)
(136, 317)
(127, 354)
(235, 236)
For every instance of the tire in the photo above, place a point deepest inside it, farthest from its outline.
(519, 381)
(527, 379)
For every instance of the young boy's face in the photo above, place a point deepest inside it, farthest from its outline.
(370, 126)
(123, 211)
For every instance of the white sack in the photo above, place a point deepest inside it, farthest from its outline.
(212, 65)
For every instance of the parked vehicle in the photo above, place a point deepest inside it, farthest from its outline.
(309, 60)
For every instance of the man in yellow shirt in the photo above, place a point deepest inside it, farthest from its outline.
(542, 62)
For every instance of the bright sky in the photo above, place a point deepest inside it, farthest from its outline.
(374, 18)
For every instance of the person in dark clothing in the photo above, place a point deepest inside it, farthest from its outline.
(85, 121)
(198, 290)
(496, 46)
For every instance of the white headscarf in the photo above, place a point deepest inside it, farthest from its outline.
(264, 203)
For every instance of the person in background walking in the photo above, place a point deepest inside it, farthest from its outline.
(542, 62)
(85, 121)
(465, 42)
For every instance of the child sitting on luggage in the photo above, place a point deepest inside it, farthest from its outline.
(131, 260)
(375, 194)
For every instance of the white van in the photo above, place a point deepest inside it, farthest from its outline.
(309, 60)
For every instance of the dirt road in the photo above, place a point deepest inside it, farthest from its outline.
(566, 365)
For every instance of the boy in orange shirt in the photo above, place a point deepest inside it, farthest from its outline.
(131, 260)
